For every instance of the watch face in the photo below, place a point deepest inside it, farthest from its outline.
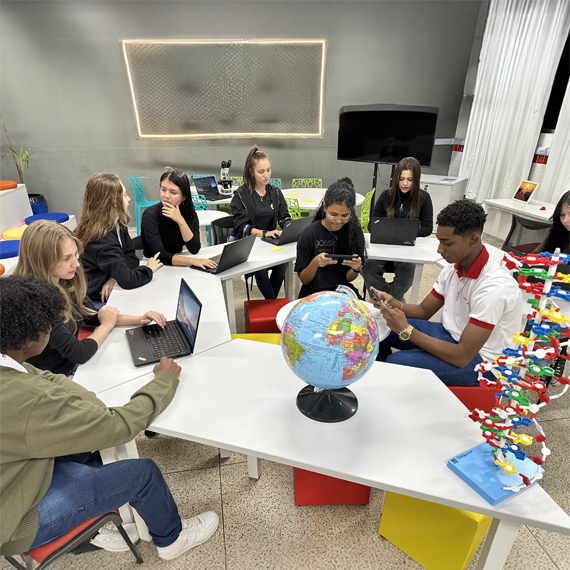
(405, 335)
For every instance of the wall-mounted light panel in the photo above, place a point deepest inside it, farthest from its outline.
(209, 89)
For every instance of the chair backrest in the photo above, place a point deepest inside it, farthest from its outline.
(365, 211)
(294, 208)
(525, 235)
(276, 182)
(237, 180)
(200, 202)
(222, 229)
(307, 182)
(138, 188)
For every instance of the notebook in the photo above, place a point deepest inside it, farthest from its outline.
(291, 231)
(393, 231)
(208, 188)
(234, 253)
(150, 343)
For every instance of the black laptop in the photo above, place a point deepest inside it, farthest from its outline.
(150, 343)
(290, 232)
(234, 253)
(207, 186)
(393, 231)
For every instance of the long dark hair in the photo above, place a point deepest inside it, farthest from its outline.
(181, 180)
(351, 236)
(558, 235)
(409, 163)
(253, 157)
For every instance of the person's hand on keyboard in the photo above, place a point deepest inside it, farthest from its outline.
(204, 263)
(155, 316)
(168, 365)
(273, 234)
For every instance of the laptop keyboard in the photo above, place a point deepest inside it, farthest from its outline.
(164, 342)
(274, 241)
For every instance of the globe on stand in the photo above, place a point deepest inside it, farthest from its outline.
(329, 340)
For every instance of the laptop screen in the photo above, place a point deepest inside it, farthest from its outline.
(206, 185)
(188, 312)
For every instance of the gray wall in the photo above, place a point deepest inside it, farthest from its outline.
(64, 90)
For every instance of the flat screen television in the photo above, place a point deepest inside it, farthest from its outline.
(386, 133)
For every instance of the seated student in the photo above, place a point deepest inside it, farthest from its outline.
(559, 234)
(258, 208)
(173, 223)
(50, 478)
(109, 256)
(481, 302)
(404, 199)
(335, 229)
(50, 251)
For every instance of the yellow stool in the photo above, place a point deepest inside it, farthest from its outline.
(14, 233)
(269, 338)
(436, 536)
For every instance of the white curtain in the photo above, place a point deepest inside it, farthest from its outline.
(521, 49)
(556, 179)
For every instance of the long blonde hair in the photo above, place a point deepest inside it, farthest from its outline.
(41, 249)
(102, 207)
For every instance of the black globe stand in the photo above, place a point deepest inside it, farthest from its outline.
(327, 405)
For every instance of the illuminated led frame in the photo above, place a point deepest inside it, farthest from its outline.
(233, 135)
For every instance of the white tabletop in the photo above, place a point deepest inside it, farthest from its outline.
(206, 217)
(534, 210)
(310, 198)
(242, 396)
(383, 329)
(424, 252)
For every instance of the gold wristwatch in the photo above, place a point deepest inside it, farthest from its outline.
(406, 333)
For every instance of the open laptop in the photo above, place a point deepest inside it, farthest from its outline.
(393, 231)
(150, 343)
(234, 253)
(291, 231)
(207, 186)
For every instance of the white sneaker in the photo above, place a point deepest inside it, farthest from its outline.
(195, 531)
(109, 538)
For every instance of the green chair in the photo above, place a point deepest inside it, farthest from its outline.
(140, 200)
(238, 180)
(307, 183)
(276, 182)
(294, 208)
(225, 208)
(365, 211)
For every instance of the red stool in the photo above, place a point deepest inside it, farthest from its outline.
(476, 396)
(84, 332)
(315, 489)
(260, 315)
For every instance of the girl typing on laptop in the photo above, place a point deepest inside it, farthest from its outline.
(330, 252)
(404, 199)
(173, 223)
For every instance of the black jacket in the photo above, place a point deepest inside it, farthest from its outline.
(402, 206)
(243, 210)
(106, 258)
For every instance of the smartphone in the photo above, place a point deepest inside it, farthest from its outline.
(340, 256)
(372, 294)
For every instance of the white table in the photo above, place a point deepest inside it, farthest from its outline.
(423, 253)
(205, 219)
(394, 441)
(310, 198)
(383, 329)
(500, 211)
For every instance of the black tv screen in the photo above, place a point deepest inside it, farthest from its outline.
(386, 133)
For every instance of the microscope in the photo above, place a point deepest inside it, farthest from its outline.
(225, 180)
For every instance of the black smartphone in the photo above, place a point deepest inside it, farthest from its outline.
(372, 294)
(340, 256)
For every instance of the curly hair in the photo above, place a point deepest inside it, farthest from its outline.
(350, 237)
(465, 216)
(29, 308)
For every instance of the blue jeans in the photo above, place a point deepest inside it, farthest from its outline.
(98, 304)
(411, 355)
(82, 488)
(373, 275)
(269, 287)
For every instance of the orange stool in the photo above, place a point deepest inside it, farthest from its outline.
(260, 315)
(315, 489)
(7, 185)
(476, 396)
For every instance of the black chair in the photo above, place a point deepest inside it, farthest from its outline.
(137, 242)
(525, 235)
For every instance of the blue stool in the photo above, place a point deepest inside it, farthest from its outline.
(9, 248)
(58, 217)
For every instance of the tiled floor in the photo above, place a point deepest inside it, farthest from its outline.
(260, 527)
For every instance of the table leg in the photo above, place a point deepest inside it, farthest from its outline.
(416, 284)
(224, 453)
(228, 288)
(290, 282)
(253, 466)
(497, 545)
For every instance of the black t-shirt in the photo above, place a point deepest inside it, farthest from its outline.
(264, 211)
(317, 239)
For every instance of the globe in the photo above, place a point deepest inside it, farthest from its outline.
(329, 340)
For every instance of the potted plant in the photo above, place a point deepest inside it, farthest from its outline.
(21, 158)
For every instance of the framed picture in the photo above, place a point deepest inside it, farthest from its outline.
(525, 190)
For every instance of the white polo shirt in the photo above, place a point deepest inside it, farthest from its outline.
(486, 296)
